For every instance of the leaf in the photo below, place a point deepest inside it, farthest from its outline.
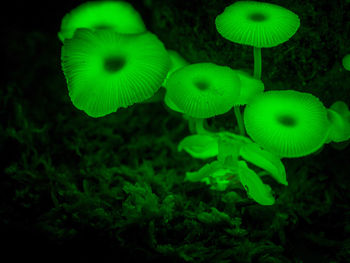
(229, 148)
(229, 152)
(200, 146)
(264, 159)
(213, 174)
(254, 186)
(206, 171)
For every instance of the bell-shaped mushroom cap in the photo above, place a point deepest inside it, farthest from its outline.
(105, 70)
(203, 90)
(339, 117)
(287, 123)
(171, 104)
(119, 16)
(346, 62)
(257, 24)
(250, 87)
(177, 62)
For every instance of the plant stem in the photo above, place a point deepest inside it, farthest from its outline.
(257, 63)
(239, 119)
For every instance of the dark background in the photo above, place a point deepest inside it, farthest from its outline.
(64, 174)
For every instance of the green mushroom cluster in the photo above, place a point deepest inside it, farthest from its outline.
(110, 61)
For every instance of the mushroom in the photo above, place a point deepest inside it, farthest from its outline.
(257, 24)
(339, 117)
(346, 62)
(250, 87)
(203, 90)
(105, 70)
(287, 123)
(119, 16)
(176, 62)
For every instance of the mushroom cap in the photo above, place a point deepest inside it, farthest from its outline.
(287, 123)
(339, 118)
(257, 24)
(346, 62)
(119, 16)
(203, 90)
(171, 104)
(250, 87)
(176, 62)
(105, 70)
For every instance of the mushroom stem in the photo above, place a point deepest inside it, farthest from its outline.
(199, 126)
(257, 63)
(191, 125)
(239, 120)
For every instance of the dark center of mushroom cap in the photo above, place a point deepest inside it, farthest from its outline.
(257, 17)
(102, 27)
(287, 120)
(114, 63)
(201, 84)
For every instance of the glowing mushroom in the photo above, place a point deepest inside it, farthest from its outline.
(287, 123)
(203, 90)
(250, 87)
(118, 16)
(346, 62)
(176, 62)
(105, 70)
(257, 24)
(339, 117)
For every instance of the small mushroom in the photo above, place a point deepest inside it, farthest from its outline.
(257, 24)
(105, 70)
(287, 123)
(203, 90)
(346, 62)
(250, 87)
(176, 62)
(118, 16)
(339, 117)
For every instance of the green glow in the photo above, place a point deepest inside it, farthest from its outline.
(346, 62)
(177, 62)
(250, 87)
(171, 104)
(213, 174)
(339, 117)
(257, 62)
(252, 153)
(218, 89)
(118, 16)
(254, 186)
(257, 24)
(106, 70)
(200, 146)
(287, 123)
(239, 119)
